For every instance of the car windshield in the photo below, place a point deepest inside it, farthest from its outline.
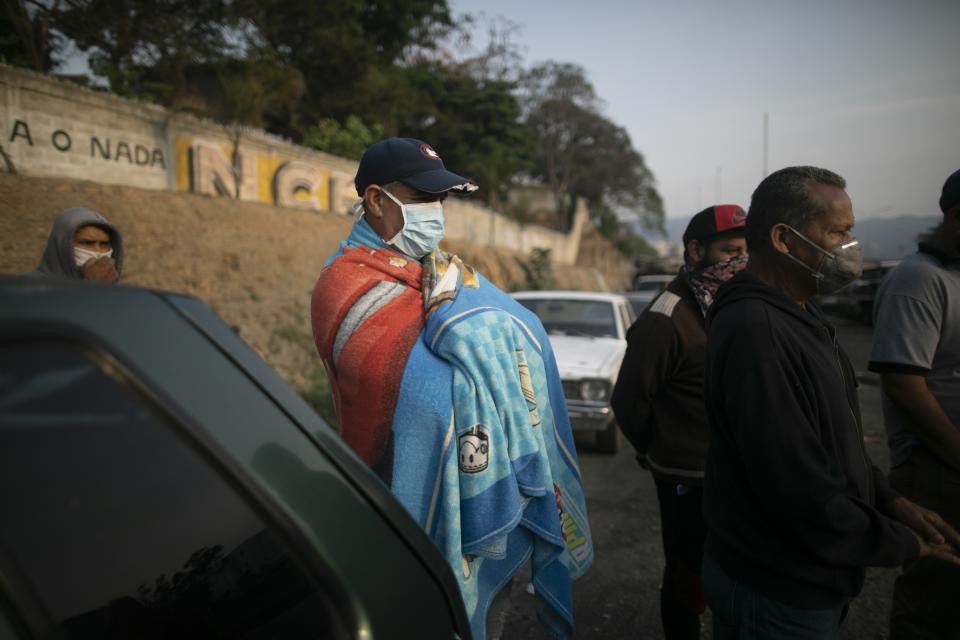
(589, 318)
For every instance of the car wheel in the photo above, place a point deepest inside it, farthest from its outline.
(608, 440)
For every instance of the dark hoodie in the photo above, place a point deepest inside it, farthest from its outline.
(790, 496)
(58, 259)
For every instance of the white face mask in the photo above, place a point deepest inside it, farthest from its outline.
(422, 228)
(81, 256)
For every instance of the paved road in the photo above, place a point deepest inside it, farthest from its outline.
(618, 598)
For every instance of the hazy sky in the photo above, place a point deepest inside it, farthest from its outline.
(870, 89)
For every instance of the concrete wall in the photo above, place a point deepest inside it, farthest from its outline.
(53, 128)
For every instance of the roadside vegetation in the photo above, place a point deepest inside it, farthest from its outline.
(337, 75)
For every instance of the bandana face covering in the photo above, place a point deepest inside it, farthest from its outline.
(707, 280)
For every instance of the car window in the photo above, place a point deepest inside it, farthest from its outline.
(649, 285)
(121, 528)
(590, 318)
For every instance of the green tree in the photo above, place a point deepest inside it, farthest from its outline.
(348, 52)
(474, 123)
(348, 140)
(258, 91)
(190, 55)
(148, 48)
(28, 36)
(581, 153)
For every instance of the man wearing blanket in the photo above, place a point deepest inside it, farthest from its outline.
(448, 389)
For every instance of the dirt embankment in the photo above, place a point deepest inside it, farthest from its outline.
(254, 264)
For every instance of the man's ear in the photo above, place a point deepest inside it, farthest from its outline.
(372, 196)
(778, 237)
(696, 251)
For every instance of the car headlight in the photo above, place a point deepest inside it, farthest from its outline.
(595, 390)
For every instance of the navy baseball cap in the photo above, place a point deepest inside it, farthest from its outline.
(410, 161)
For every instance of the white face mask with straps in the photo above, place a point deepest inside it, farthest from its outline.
(837, 268)
(422, 228)
(81, 256)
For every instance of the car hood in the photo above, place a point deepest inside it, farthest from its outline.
(579, 357)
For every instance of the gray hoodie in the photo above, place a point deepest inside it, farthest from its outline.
(57, 261)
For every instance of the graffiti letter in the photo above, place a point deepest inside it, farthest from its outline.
(342, 192)
(123, 149)
(17, 126)
(213, 174)
(295, 185)
(95, 144)
(141, 155)
(61, 140)
(157, 158)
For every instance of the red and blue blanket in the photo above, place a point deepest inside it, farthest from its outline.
(448, 389)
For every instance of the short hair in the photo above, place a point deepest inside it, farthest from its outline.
(784, 197)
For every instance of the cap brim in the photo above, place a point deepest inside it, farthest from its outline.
(439, 181)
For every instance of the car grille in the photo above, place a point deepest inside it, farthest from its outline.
(571, 389)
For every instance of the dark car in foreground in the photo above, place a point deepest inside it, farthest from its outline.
(159, 480)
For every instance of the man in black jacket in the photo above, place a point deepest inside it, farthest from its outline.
(794, 508)
(658, 403)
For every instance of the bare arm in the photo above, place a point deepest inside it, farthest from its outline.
(924, 415)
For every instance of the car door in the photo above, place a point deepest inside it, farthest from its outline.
(152, 485)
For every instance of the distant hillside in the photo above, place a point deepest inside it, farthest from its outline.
(886, 238)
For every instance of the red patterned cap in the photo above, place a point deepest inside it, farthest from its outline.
(713, 221)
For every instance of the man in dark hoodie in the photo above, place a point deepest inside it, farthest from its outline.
(82, 245)
(658, 403)
(794, 508)
(916, 350)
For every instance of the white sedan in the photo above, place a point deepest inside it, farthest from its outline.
(588, 332)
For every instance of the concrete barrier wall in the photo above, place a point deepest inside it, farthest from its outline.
(55, 128)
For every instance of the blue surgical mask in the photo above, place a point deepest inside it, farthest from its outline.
(422, 228)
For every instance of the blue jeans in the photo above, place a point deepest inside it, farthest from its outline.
(740, 613)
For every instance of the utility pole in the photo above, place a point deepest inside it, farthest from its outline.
(766, 141)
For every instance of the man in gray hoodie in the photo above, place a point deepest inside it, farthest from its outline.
(83, 246)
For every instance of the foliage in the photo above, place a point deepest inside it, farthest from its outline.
(258, 91)
(347, 51)
(348, 140)
(538, 270)
(27, 34)
(340, 74)
(146, 48)
(473, 122)
(583, 154)
(621, 233)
